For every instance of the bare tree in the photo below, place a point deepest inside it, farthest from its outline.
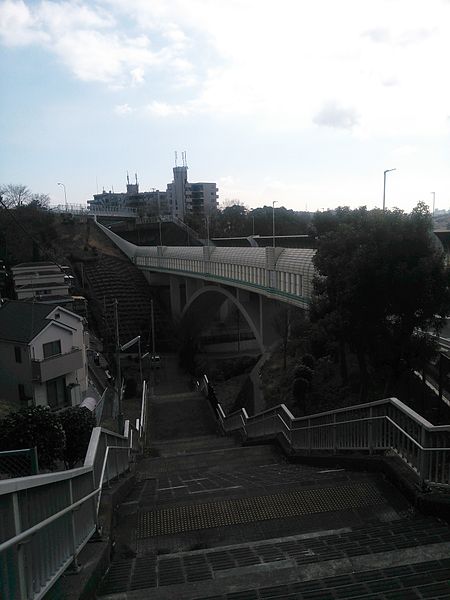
(14, 195)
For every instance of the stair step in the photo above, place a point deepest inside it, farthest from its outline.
(200, 459)
(192, 577)
(197, 444)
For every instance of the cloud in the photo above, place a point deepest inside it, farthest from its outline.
(137, 75)
(379, 35)
(163, 109)
(90, 42)
(333, 115)
(18, 27)
(204, 57)
(123, 109)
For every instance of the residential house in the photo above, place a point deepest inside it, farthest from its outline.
(43, 358)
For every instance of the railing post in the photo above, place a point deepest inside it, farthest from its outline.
(21, 572)
(370, 431)
(334, 434)
(424, 456)
(309, 436)
(34, 461)
(74, 567)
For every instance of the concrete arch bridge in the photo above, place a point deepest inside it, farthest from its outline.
(205, 280)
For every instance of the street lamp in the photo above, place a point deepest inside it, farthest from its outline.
(384, 187)
(65, 195)
(207, 228)
(273, 222)
(131, 343)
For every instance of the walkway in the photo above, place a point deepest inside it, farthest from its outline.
(212, 520)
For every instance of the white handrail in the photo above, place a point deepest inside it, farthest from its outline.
(422, 446)
(50, 500)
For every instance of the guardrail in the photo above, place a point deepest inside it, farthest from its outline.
(46, 520)
(385, 425)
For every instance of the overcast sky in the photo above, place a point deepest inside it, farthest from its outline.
(305, 102)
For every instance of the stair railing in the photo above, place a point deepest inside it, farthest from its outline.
(383, 426)
(46, 520)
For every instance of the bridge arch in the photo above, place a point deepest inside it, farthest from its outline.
(204, 303)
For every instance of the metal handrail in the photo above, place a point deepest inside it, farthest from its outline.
(412, 443)
(77, 493)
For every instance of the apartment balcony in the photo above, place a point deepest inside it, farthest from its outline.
(57, 366)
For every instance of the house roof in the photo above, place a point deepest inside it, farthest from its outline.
(22, 321)
(35, 264)
(27, 286)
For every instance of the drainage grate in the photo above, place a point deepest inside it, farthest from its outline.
(238, 511)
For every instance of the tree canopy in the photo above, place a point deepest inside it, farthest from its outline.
(381, 285)
(15, 195)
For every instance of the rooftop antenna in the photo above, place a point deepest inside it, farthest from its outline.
(184, 159)
(176, 158)
(135, 177)
(128, 179)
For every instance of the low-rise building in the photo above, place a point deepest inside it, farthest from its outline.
(40, 280)
(43, 355)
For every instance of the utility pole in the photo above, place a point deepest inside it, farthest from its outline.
(118, 373)
(434, 201)
(153, 329)
(273, 222)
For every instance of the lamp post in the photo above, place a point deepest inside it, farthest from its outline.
(65, 195)
(131, 343)
(207, 228)
(273, 222)
(384, 187)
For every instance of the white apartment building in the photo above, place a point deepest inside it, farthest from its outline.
(43, 359)
(186, 198)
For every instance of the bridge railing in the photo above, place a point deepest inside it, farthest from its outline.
(46, 520)
(386, 425)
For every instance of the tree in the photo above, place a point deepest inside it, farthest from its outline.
(34, 426)
(381, 280)
(77, 424)
(41, 201)
(14, 195)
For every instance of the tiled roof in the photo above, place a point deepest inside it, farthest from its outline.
(22, 321)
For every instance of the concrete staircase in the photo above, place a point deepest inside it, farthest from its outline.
(212, 520)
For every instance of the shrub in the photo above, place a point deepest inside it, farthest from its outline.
(299, 389)
(77, 424)
(304, 372)
(34, 426)
(308, 360)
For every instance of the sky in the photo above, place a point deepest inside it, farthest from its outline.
(301, 102)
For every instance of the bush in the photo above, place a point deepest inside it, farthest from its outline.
(34, 426)
(304, 372)
(308, 360)
(77, 424)
(299, 389)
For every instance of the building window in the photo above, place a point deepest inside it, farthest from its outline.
(51, 348)
(56, 392)
(18, 354)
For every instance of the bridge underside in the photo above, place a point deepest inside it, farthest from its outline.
(196, 304)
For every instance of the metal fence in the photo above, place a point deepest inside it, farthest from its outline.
(18, 463)
(45, 520)
(384, 425)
